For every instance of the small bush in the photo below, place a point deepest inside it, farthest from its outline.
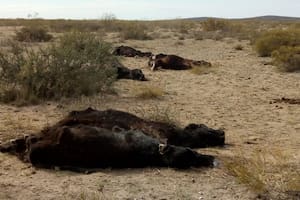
(185, 27)
(273, 40)
(134, 31)
(79, 64)
(216, 25)
(287, 58)
(33, 34)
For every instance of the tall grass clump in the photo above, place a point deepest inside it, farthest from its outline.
(274, 39)
(33, 34)
(78, 64)
(270, 173)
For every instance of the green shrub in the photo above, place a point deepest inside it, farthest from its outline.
(287, 58)
(273, 40)
(33, 34)
(79, 64)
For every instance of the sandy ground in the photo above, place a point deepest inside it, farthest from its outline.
(235, 96)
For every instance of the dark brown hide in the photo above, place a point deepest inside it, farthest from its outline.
(130, 52)
(194, 136)
(110, 138)
(173, 62)
(126, 73)
(82, 146)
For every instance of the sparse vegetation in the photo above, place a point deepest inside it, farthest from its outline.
(198, 70)
(79, 64)
(158, 113)
(283, 46)
(287, 58)
(149, 92)
(216, 25)
(33, 34)
(273, 40)
(134, 31)
(218, 29)
(260, 167)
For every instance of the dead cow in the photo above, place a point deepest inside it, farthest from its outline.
(82, 146)
(173, 62)
(134, 74)
(126, 73)
(98, 139)
(130, 52)
(193, 135)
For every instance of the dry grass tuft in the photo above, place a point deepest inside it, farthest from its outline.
(200, 70)
(287, 58)
(267, 172)
(149, 92)
(160, 113)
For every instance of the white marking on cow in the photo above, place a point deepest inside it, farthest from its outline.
(153, 66)
(161, 148)
(215, 163)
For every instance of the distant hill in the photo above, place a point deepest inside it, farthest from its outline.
(261, 18)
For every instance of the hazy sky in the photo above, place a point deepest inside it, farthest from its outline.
(147, 9)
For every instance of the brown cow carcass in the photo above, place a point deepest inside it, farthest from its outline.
(126, 73)
(193, 135)
(82, 146)
(174, 62)
(130, 52)
(110, 138)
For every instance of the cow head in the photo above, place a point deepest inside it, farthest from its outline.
(197, 136)
(137, 74)
(182, 157)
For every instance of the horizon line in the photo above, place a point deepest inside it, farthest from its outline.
(175, 18)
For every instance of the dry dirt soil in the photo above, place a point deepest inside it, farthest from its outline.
(234, 96)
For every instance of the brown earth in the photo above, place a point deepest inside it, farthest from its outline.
(234, 95)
